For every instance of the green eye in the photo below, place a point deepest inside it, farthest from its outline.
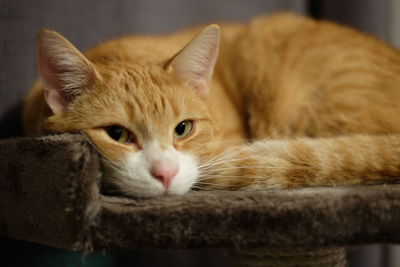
(119, 134)
(183, 129)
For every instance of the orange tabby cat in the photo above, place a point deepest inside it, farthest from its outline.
(292, 102)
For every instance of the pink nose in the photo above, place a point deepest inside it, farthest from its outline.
(164, 173)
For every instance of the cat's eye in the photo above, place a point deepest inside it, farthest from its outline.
(183, 129)
(119, 134)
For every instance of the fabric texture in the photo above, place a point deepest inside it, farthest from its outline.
(50, 188)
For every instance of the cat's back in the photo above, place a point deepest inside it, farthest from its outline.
(316, 78)
(290, 39)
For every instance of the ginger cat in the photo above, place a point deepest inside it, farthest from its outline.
(289, 102)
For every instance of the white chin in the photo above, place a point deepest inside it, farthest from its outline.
(132, 178)
(177, 192)
(155, 192)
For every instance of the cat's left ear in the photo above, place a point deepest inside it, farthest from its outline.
(64, 71)
(195, 63)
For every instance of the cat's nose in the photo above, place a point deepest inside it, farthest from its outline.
(164, 172)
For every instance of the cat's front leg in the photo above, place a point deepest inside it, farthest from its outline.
(258, 165)
(268, 164)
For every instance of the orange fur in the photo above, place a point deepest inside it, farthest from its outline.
(281, 77)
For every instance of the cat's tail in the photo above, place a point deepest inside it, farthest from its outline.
(348, 160)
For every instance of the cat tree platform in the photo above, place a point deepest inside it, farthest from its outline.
(49, 188)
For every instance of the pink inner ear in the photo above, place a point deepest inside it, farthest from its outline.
(50, 74)
(63, 70)
(195, 63)
(55, 101)
(53, 91)
(52, 85)
(200, 87)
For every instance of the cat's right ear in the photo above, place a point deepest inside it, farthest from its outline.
(64, 71)
(194, 64)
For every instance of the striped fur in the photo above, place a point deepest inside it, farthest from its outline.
(293, 102)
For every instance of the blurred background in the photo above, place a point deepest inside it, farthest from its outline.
(86, 23)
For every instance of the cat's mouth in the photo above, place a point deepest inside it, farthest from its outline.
(110, 190)
(113, 190)
(134, 178)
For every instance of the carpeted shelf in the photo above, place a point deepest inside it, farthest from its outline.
(50, 194)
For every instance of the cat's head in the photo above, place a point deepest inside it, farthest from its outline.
(149, 121)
